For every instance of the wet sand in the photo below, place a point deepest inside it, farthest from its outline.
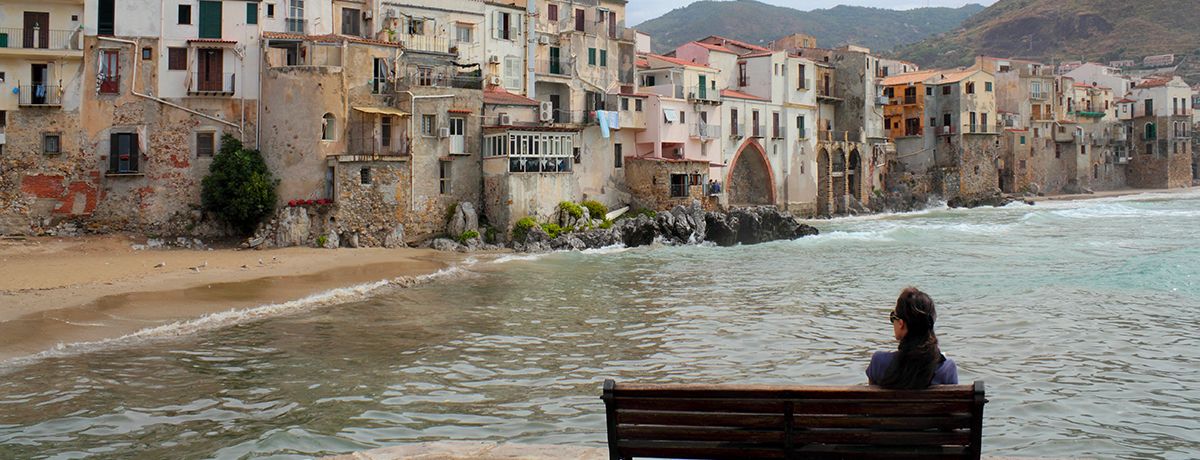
(70, 290)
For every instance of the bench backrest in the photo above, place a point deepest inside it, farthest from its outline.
(762, 421)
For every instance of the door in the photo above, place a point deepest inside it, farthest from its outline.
(37, 30)
(39, 74)
(555, 67)
(703, 87)
(210, 19)
(555, 103)
(579, 19)
(210, 65)
(457, 139)
(703, 128)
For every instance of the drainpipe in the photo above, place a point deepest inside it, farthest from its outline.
(412, 167)
(531, 14)
(133, 84)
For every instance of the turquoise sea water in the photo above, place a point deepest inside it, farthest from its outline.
(1083, 319)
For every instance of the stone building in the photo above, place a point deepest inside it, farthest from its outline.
(904, 113)
(45, 175)
(961, 139)
(1158, 118)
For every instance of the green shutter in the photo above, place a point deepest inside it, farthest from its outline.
(591, 56)
(210, 19)
(604, 58)
(252, 13)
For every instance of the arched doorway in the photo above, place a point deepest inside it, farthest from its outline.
(854, 175)
(823, 183)
(750, 182)
(838, 176)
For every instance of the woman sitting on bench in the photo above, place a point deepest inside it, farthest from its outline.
(918, 363)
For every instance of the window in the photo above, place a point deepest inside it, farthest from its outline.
(177, 58)
(51, 144)
(733, 122)
(928, 91)
(649, 80)
(123, 152)
(945, 119)
(754, 124)
(624, 104)
(444, 177)
(679, 185)
(983, 121)
(800, 127)
(463, 32)
(1022, 140)
(801, 82)
(637, 105)
(251, 13)
(350, 24)
(205, 144)
(295, 17)
(743, 79)
(987, 86)
(618, 159)
(1149, 103)
(3, 118)
(185, 14)
(270, 10)
(579, 18)
(147, 54)
(591, 56)
(428, 124)
(1151, 132)
(776, 129)
(109, 74)
(210, 19)
(417, 26)
(105, 17)
(364, 176)
(946, 90)
(328, 127)
(512, 73)
(603, 58)
(552, 12)
(970, 87)
(385, 131)
(503, 27)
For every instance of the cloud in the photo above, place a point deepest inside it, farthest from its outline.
(638, 11)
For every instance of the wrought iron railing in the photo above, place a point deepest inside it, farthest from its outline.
(561, 66)
(39, 38)
(224, 83)
(35, 95)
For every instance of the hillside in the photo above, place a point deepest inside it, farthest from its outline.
(759, 23)
(1058, 30)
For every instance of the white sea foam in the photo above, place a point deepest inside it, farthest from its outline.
(613, 249)
(519, 257)
(875, 236)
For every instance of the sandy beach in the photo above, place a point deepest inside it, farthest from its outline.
(68, 290)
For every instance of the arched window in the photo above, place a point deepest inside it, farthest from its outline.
(1151, 133)
(328, 127)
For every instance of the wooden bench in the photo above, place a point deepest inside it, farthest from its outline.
(793, 422)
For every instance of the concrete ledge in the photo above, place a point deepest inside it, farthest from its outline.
(472, 450)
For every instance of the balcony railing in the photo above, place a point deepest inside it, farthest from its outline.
(805, 84)
(444, 78)
(224, 84)
(296, 26)
(366, 143)
(759, 130)
(737, 130)
(946, 130)
(830, 92)
(560, 67)
(38, 38)
(839, 136)
(978, 129)
(381, 86)
(704, 130)
(1039, 96)
(703, 94)
(575, 117)
(39, 95)
(429, 43)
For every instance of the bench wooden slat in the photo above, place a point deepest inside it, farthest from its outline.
(948, 392)
(900, 408)
(695, 433)
(822, 452)
(776, 406)
(698, 449)
(884, 438)
(883, 423)
(686, 418)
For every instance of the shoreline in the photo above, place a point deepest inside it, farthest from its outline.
(1112, 194)
(61, 291)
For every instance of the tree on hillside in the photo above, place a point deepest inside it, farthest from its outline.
(239, 188)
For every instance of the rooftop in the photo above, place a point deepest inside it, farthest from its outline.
(741, 95)
(909, 78)
(499, 96)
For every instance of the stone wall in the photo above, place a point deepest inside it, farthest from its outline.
(977, 165)
(38, 189)
(371, 199)
(650, 182)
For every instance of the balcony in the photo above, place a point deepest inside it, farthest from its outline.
(829, 94)
(366, 144)
(979, 129)
(704, 131)
(442, 78)
(1064, 136)
(414, 42)
(703, 94)
(737, 130)
(945, 130)
(825, 135)
(215, 85)
(759, 130)
(558, 68)
(39, 39)
(632, 119)
(805, 84)
(1039, 96)
(575, 117)
(39, 96)
(296, 26)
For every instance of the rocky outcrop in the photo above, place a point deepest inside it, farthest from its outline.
(463, 220)
(680, 225)
(995, 200)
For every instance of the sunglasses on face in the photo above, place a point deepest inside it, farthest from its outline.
(892, 317)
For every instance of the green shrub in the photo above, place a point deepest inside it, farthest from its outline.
(552, 229)
(462, 239)
(239, 188)
(571, 209)
(607, 224)
(522, 227)
(489, 235)
(595, 208)
(321, 240)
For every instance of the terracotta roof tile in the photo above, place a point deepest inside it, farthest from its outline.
(739, 43)
(908, 78)
(741, 95)
(715, 47)
(499, 96)
(677, 61)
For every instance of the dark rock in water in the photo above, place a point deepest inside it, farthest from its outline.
(996, 200)
(722, 228)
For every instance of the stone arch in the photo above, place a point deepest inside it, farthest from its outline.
(854, 175)
(751, 180)
(838, 177)
(823, 183)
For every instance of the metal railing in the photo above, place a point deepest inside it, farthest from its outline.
(760, 130)
(978, 128)
(366, 143)
(430, 43)
(444, 78)
(39, 95)
(381, 86)
(699, 93)
(830, 92)
(39, 38)
(226, 84)
(575, 117)
(737, 130)
(562, 66)
(679, 190)
(704, 130)
(1039, 96)
(805, 84)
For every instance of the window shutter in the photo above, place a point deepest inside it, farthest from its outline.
(133, 153)
(591, 56)
(114, 159)
(210, 19)
(496, 24)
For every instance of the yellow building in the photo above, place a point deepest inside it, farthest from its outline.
(905, 108)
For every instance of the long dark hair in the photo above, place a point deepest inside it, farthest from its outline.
(918, 357)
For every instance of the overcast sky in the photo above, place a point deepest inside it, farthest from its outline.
(642, 10)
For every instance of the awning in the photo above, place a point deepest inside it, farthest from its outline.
(671, 115)
(382, 111)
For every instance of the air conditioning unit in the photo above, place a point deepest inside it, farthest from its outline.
(546, 111)
(544, 40)
(504, 120)
(444, 132)
(493, 59)
(366, 15)
(494, 80)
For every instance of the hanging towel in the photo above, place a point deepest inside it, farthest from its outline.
(603, 117)
(614, 120)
